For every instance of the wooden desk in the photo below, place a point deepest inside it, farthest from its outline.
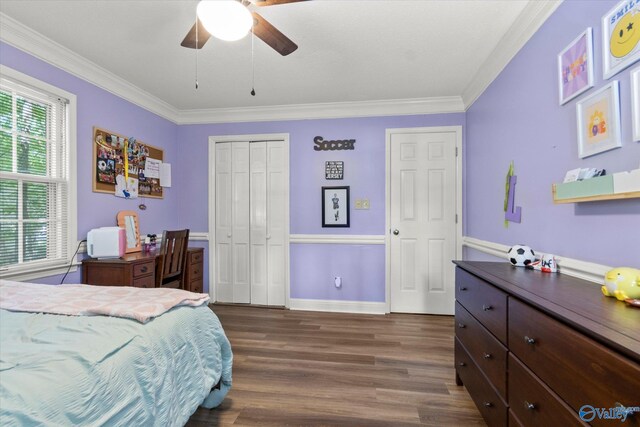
(139, 270)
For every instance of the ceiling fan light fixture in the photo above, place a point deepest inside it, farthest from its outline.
(227, 20)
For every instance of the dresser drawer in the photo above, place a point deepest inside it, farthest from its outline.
(196, 286)
(484, 301)
(580, 370)
(533, 404)
(490, 405)
(196, 257)
(488, 353)
(143, 268)
(145, 282)
(195, 271)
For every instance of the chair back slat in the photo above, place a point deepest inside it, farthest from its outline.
(173, 258)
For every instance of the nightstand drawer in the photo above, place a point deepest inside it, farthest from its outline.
(143, 268)
(533, 403)
(490, 405)
(485, 302)
(488, 353)
(580, 370)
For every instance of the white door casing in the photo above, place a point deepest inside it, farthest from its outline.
(421, 215)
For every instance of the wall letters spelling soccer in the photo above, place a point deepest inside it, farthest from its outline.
(322, 145)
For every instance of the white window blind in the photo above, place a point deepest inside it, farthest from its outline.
(34, 178)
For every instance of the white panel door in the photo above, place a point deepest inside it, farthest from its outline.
(224, 253)
(258, 218)
(277, 221)
(241, 230)
(423, 197)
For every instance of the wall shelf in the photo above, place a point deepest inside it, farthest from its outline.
(595, 198)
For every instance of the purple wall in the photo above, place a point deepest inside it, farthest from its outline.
(364, 173)
(518, 118)
(97, 107)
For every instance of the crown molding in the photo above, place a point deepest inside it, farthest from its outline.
(24, 38)
(333, 110)
(528, 22)
(525, 26)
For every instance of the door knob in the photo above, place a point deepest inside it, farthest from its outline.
(396, 232)
(268, 236)
(228, 234)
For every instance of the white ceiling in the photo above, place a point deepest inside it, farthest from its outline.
(349, 50)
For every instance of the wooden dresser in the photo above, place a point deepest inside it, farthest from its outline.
(539, 349)
(139, 269)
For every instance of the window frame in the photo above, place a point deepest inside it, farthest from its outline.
(45, 268)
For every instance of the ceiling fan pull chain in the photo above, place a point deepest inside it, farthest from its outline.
(197, 50)
(253, 66)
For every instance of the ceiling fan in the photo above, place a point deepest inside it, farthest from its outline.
(198, 35)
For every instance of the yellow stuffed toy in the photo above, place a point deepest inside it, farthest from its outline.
(622, 283)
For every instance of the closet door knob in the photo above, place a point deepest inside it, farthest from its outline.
(228, 234)
(268, 236)
(396, 232)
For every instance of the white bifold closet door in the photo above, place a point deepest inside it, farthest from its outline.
(251, 195)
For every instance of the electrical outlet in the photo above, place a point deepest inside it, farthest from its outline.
(365, 204)
(358, 204)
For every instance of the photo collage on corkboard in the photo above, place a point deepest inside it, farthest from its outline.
(110, 159)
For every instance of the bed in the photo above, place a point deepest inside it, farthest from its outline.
(92, 369)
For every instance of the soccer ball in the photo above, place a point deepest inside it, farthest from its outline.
(521, 255)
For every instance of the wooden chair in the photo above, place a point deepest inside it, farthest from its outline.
(172, 259)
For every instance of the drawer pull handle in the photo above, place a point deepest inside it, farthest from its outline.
(463, 288)
(488, 404)
(461, 325)
(462, 364)
(487, 356)
(143, 269)
(487, 307)
(528, 340)
(529, 406)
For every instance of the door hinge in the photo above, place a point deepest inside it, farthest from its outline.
(456, 218)
(456, 151)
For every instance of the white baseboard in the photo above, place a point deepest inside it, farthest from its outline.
(569, 266)
(361, 307)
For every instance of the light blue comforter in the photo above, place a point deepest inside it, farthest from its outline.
(63, 370)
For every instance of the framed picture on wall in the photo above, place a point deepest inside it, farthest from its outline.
(575, 67)
(335, 206)
(598, 117)
(635, 103)
(620, 37)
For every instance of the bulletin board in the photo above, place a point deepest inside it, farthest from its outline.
(109, 162)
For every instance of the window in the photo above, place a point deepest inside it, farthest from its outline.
(37, 176)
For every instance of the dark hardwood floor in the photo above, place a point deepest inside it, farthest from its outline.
(295, 368)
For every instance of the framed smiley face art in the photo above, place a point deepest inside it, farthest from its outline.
(620, 37)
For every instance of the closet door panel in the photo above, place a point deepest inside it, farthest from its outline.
(258, 218)
(277, 214)
(223, 252)
(241, 223)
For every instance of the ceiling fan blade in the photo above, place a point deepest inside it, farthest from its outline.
(190, 40)
(272, 36)
(274, 2)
